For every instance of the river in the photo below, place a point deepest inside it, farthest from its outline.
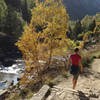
(13, 72)
(10, 73)
(7, 77)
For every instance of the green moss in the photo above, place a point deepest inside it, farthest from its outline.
(23, 92)
(29, 95)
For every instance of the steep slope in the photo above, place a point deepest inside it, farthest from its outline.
(77, 9)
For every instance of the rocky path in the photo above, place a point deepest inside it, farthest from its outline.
(88, 86)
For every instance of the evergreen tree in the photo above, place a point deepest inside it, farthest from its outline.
(78, 28)
(3, 13)
(75, 28)
(92, 25)
(88, 23)
(14, 22)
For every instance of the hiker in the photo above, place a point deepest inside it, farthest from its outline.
(74, 63)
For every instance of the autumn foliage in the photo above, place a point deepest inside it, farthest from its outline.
(45, 34)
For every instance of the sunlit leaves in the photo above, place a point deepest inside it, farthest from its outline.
(45, 34)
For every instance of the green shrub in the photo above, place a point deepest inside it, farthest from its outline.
(80, 36)
(29, 95)
(23, 92)
(77, 43)
(86, 59)
(14, 96)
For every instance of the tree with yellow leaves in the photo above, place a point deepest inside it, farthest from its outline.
(45, 33)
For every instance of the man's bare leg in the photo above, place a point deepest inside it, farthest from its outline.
(74, 83)
(75, 78)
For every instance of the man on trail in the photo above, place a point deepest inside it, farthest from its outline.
(75, 62)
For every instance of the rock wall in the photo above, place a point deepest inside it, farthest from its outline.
(8, 51)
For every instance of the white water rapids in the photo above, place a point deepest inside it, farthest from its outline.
(7, 74)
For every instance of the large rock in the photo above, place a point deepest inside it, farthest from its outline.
(41, 94)
(2, 94)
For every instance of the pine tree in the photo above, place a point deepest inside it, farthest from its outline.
(3, 13)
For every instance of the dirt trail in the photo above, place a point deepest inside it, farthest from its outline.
(88, 86)
(96, 65)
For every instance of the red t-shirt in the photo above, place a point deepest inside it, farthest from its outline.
(75, 59)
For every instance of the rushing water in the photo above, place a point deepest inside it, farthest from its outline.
(10, 73)
(13, 72)
(9, 77)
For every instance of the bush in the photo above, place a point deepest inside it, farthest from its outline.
(30, 94)
(14, 96)
(88, 23)
(80, 36)
(86, 59)
(23, 92)
(77, 43)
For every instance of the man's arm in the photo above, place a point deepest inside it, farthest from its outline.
(68, 64)
(81, 65)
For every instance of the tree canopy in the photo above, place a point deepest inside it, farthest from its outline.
(45, 33)
(3, 13)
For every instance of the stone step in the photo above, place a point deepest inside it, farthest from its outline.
(2, 94)
(41, 94)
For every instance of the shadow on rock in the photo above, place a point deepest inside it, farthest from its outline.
(82, 96)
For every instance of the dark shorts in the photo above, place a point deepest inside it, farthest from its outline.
(74, 70)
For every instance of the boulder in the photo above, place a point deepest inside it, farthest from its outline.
(2, 94)
(41, 94)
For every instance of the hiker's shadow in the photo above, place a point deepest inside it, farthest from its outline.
(86, 74)
(82, 96)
